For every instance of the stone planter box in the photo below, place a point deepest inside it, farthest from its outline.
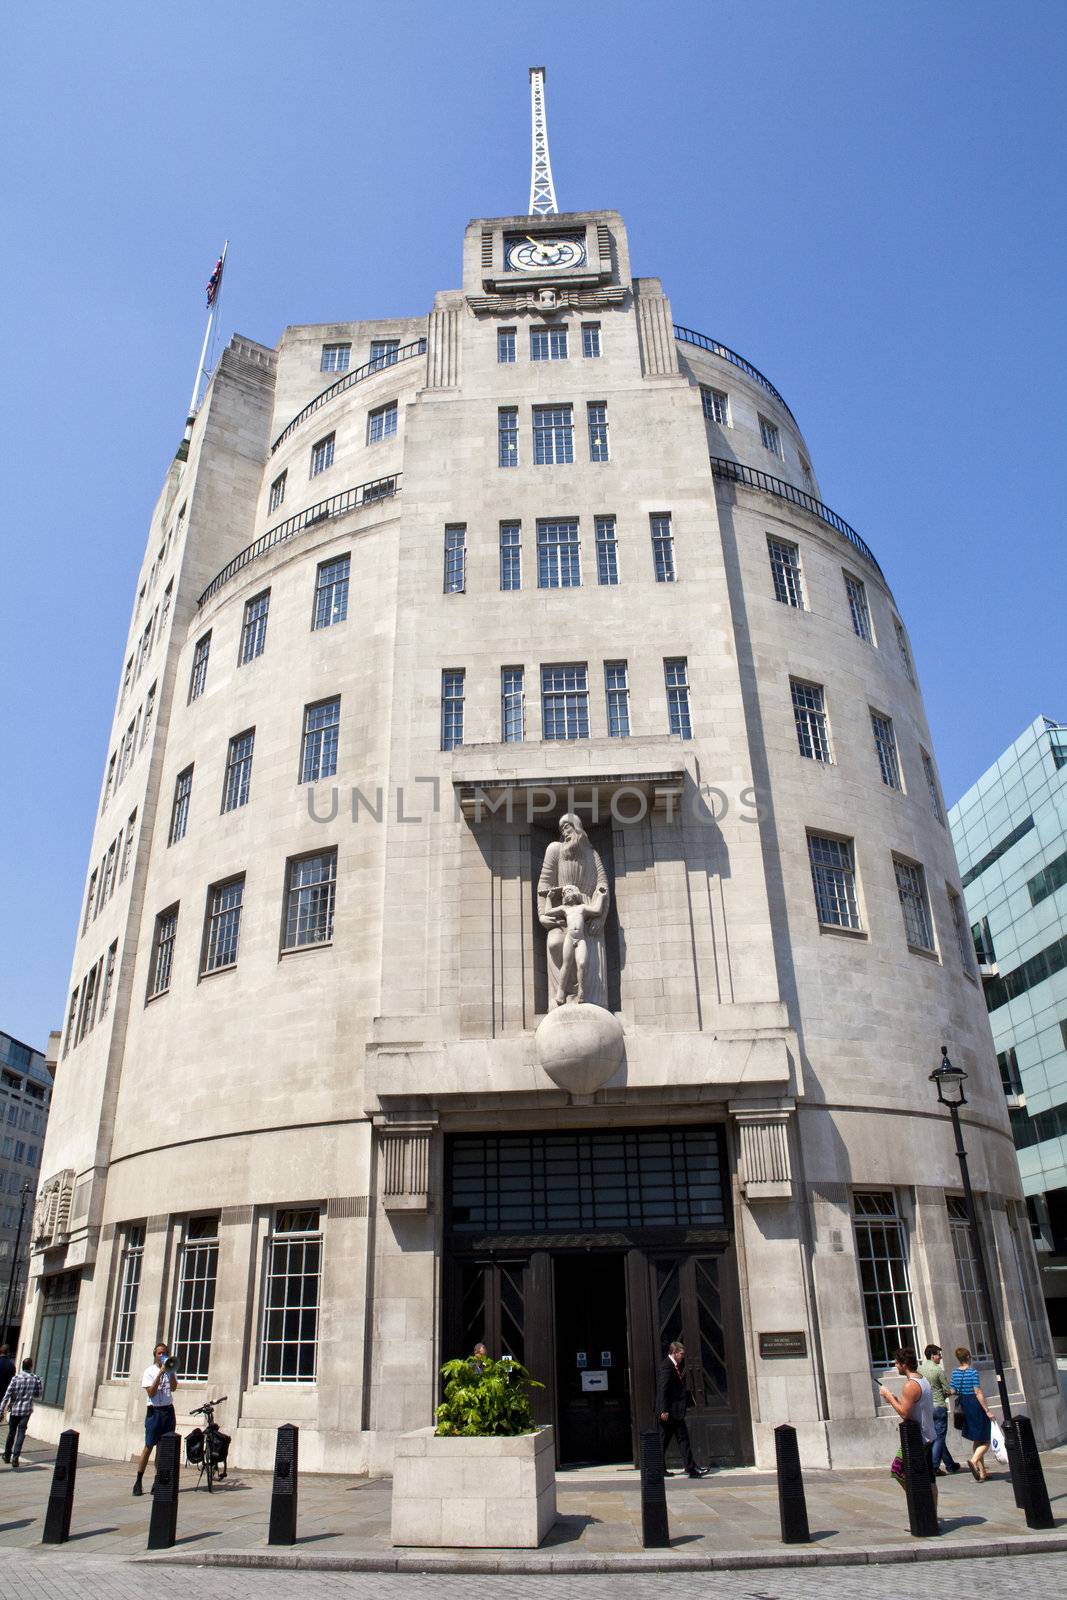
(485, 1493)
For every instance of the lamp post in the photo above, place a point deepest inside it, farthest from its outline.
(25, 1193)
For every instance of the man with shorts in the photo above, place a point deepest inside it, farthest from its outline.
(916, 1404)
(159, 1383)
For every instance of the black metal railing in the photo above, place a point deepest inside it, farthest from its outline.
(364, 494)
(390, 359)
(723, 350)
(752, 478)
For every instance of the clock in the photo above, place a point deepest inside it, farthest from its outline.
(549, 253)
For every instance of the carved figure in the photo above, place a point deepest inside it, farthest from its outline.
(572, 863)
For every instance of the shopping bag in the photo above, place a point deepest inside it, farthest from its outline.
(996, 1440)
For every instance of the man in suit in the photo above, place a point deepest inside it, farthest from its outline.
(672, 1401)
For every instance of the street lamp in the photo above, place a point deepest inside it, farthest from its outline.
(25, 1193)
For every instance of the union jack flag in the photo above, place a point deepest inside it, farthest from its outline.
(214, 283)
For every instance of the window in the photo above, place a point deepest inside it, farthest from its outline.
(959, 924)
(505, 346)
(383, 353)
(162, 959)
(107, 877)
(109, 976)
(885, 745)
(507, 424)
(512, 705)
(662, 546)
(1029, 1279)
(607, 551)
(858, 608)
(318, 755)
(58, 1312)
(591, 340)
(254, 628)
(565, 702)
(179, 811)
(90, 901)
(277, 492)
(597, 412)
(451, 708)
(109, 783)
(335, 357)
(1048, 880)
(129, 1288)
(222, 925)
(149, 712)
(331, 593)
(194, 1312)
(772, 439)
(967, 1272)
(931, 783)
(126, 746)
(238, 770)
(911, 887)
(198, 676)
(322, 455)
(882, 1254)
(511, 555)
(553, 435)
(809, 714)
(676, 676)
(558, 557)
(1010, 1076)
(309, 899)
(127, 846)
(548, 344)
(715, 404)
(617, 690)
(455, 558)
(785, 570)
(902, 646)
(165, 604)
(381, 424)
(982, 939)
(833, 877)
(289, 1347)
(87, 1014)
(127, 679)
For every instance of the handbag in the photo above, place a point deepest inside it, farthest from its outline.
(958, 1418)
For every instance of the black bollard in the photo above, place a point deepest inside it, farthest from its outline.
(61, 1494)
(283, 1490)
(792, 1506)
(655, 1534)
(1031, 1490)
(1016, 1469)
(922, 1512)
(163, 1524)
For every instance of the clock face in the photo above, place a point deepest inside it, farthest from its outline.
(547, 253)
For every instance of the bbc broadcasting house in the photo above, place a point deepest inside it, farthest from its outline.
(422, 588)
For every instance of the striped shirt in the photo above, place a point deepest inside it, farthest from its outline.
(965, 1381)
(22, 1391)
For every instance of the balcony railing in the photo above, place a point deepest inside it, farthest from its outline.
(736, 472)
(390, 359)
(364, 494)
(733, 358)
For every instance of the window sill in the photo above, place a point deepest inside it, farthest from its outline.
(844, 933)
(928, 955)
(301, 949)
(213, 972)
(150, 997)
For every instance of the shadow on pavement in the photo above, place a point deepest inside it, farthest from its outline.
(566, 1529)
(91, 1533)
(23, 1522)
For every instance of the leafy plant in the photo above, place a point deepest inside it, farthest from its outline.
(485, 1399)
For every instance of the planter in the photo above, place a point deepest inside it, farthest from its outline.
(482, 1493)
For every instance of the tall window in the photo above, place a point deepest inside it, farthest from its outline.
(512, 705)
(109, 782)
(591, 340)
(254, 628)
(565, 702)
(165, 604)
(809, 714)
(505, 346)
(318, 754)
(967, 1272)
(383, 353)
(882, 1252)
(331, 593)
(676, 677)
(162, 961)
(772, 439)
(597, 413)
(833, 877)
(452, 708)
(198, 676)
(107, 875)
(381, 424)
(607, 551)
(785, 570)
(558, 559)
(108, 982)
(277, 492)
(72, 1017)
(858, 608)
(194, 1311)
(902, 646)
(553, 435)
(959, 925)
(617, 690)
(455, 558)
(127, 846)
(149, 713)
(222, 931)
(885, 745)
(911, 888)
(335, 357)
(128, 1292)
(322, 455)
(311, 882)
(507, 426)
(511, 555)
(290, 1343)
(179, 811)
(90, 900)
(1010, 1077)
(931, 784)
(548, 344)
(238, 773)
(127, 679)
(59, 1308)
(715, 404)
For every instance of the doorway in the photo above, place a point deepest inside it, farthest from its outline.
(592, 1359)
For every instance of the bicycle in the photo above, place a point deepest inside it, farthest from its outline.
(206, 1448)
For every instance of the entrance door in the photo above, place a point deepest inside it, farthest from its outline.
(592, 1365)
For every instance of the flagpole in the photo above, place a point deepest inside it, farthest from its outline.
(191, 418)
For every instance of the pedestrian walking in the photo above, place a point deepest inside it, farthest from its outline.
(673, 1399)
(933, 1370)
(25, 1387)
(977, 1417)
(916, 1404)
(159, 1384)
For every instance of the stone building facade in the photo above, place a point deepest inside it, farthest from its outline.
(422, 588)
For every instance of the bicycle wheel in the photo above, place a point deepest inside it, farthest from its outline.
(210, 1469)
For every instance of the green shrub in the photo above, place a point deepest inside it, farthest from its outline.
(492, 1401)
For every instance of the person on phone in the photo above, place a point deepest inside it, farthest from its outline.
(159, 1383)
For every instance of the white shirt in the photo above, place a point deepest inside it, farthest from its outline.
(163, 1395)
(923, 1412)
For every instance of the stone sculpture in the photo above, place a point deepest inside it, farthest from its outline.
(572, 863)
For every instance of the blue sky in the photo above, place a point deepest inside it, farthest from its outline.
(866, 201)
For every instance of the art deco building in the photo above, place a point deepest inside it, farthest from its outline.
(422, 588)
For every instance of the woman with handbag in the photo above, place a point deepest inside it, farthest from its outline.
(977, 1417)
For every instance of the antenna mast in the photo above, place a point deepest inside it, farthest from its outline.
(542, 189)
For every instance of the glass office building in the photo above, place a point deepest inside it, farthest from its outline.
(25, 1093)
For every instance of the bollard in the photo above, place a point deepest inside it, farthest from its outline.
(922, 1512)
(792, 1506)
(163, 1523)
(655, 1534)
(1016, 1469)
(283, 1490)
(61, 1494)
(1032, 1491)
